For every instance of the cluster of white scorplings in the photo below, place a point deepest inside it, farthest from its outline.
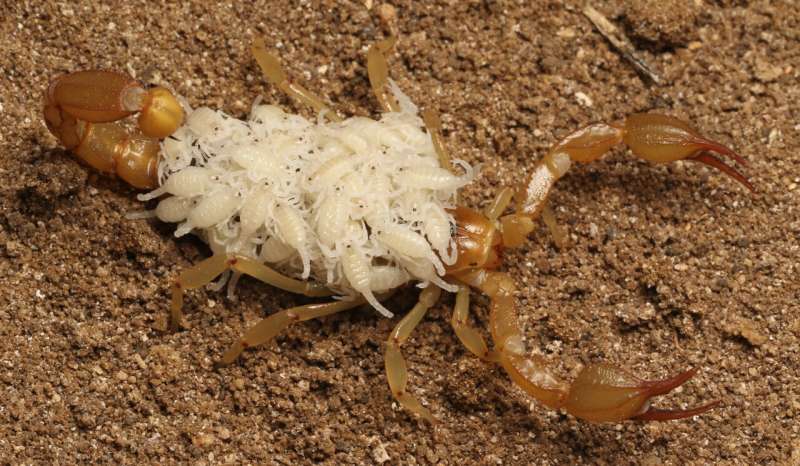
(360, 205)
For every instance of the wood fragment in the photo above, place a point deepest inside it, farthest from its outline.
(620, 42)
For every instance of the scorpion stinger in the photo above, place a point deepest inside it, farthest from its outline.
(81, 110)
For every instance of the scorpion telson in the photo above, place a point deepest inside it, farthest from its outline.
(358, 207)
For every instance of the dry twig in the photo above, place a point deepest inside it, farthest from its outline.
(620, 42)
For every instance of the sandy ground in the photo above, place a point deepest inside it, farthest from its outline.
(669, 267)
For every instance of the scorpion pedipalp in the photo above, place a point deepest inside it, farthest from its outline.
(654, 137)
(600, 393)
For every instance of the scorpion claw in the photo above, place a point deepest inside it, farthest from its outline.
(604, 393)
(663, 139)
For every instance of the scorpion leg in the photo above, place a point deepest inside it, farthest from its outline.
(516, 232)
(558, 233)
(468, 335)
(273, 71)
(499, 204)
(269, 276)
(653, 137)
(396, 371)
(205, 271)
(378, 72)
(434, 126)
(600, 393)
(80, 109)
(195, 276)
(268, 328)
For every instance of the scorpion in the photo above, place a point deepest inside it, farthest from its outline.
(357, 208)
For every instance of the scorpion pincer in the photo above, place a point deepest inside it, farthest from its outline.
(357, 207)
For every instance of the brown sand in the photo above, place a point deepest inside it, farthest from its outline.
(669, 266)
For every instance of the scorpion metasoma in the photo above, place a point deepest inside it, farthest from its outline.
(356, 208)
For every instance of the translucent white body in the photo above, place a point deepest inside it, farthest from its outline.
(360, 205)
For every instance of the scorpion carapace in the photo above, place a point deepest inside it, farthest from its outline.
(361, 207)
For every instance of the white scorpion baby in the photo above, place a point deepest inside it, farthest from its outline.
(356, 208)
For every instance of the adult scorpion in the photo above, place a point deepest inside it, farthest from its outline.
(358, 207)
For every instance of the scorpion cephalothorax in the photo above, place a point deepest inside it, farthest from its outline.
(367, 206)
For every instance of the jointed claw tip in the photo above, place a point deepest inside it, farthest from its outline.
(713, 146)
(714, 162)
(662, 387)
(656, 414)
(707, 146)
